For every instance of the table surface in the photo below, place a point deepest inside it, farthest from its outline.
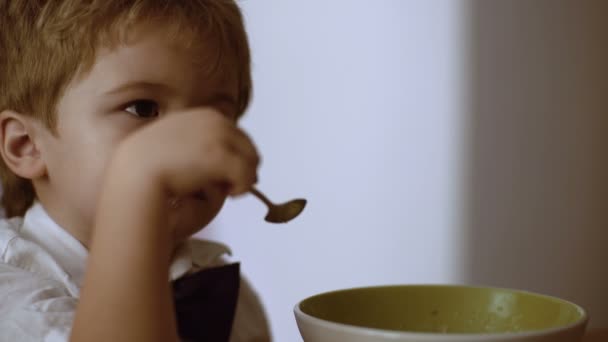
(596, 336)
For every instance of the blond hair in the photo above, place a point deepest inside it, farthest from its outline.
(45, 44)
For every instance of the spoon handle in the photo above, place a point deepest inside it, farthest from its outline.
(261, 196)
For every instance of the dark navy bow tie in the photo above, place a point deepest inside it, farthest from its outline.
(205, 303)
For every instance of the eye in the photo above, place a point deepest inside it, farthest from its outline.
(143, 109)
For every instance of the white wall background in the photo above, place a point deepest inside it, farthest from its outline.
(437, 141)
(357, 109)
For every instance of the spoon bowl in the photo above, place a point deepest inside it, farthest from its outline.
(285, 212)
(280, 213)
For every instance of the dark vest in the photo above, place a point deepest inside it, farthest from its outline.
(205, 303)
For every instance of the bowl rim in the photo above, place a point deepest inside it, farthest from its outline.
(431, 336)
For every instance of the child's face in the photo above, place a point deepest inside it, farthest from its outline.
(124, 91)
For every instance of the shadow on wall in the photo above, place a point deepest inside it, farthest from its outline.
(538, 186)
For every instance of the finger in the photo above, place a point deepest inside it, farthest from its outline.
(242, 144)
(232, 169)
(232, 135)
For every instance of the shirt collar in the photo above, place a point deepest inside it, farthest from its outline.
(71, 255)
(66, 250)
(194, 254)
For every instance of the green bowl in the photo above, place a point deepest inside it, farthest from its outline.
(438, 313)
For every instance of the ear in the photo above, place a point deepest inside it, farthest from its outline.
(18, 147)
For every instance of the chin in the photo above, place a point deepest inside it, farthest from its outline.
(193, 215)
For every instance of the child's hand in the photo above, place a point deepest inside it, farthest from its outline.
(175, 156)
(193, 151)
(178, 170)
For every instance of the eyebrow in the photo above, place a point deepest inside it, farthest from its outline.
(138, 85)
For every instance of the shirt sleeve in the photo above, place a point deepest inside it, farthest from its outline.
(34, 308)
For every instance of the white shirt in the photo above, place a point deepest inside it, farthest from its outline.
(41, 272)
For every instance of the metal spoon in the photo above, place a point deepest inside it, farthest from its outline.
(280, 213)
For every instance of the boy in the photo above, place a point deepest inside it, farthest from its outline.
(118, 142)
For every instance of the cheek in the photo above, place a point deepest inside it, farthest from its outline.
(80, 175)
(87, 183)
